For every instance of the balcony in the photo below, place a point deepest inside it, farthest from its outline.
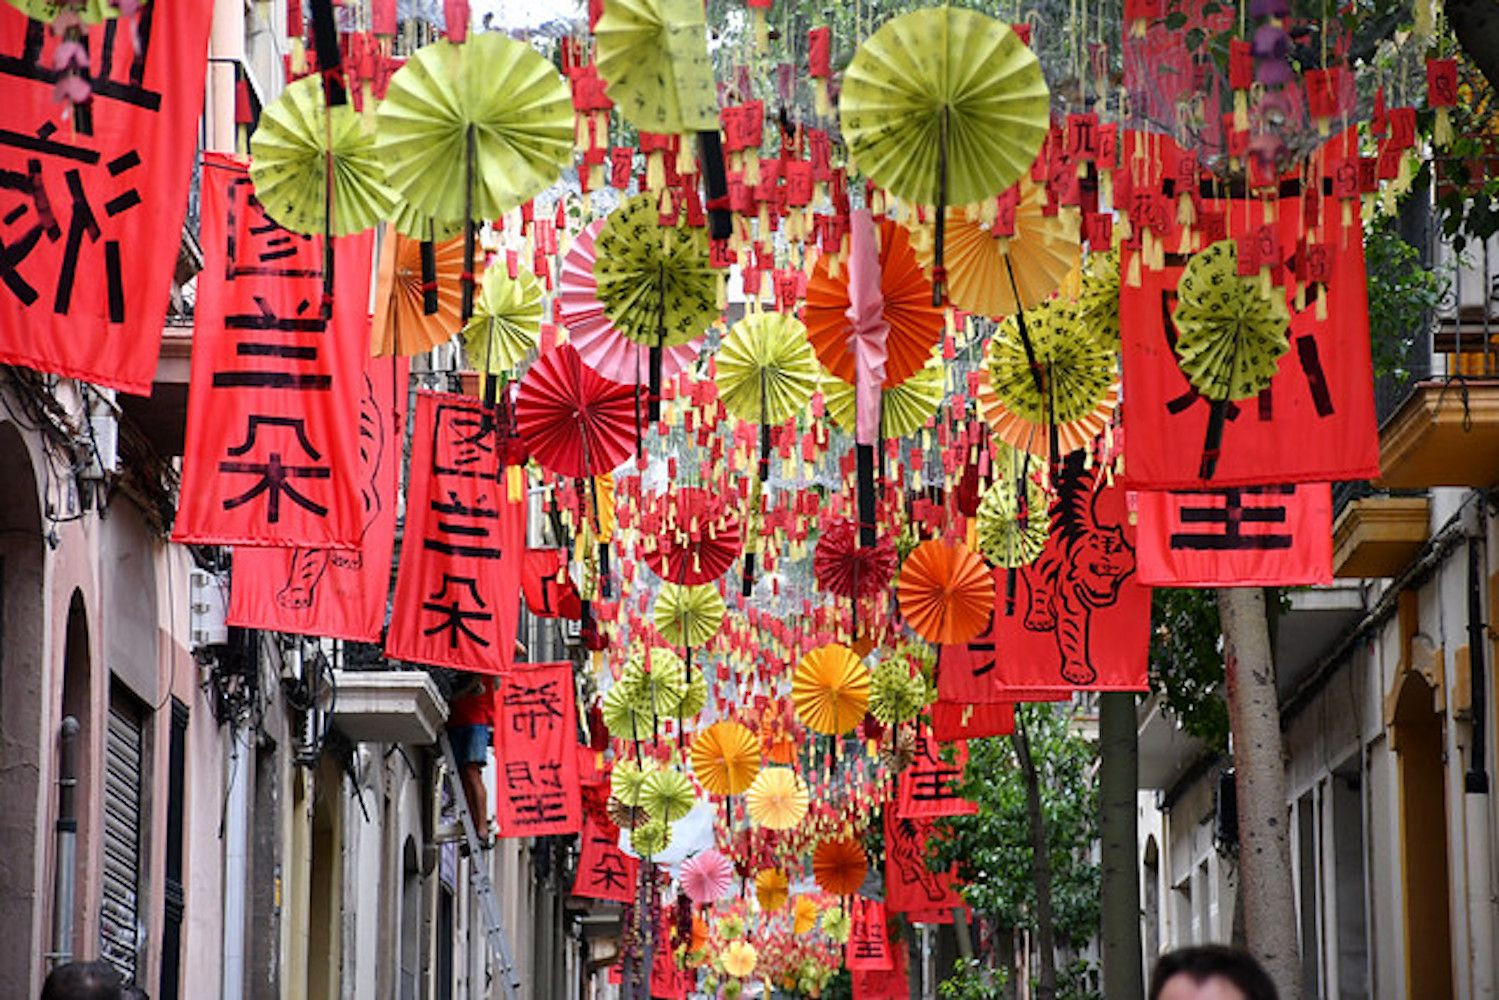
(1446, 433)
(1167, 751)
(1377, 536)
(388, 706)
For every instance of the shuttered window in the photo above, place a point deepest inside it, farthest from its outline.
(120, 920)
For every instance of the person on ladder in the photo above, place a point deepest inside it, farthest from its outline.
(471, 714)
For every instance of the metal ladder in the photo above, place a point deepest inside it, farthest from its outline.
(483, 886)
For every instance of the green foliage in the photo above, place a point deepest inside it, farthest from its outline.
(972, 980)
(1186, 661)
(993, 849)
(1402, 296)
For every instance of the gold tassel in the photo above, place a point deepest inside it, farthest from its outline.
(821, 102)
(762, 32)
(655, 171)
(752, 167)
(1132, 273)
(1241, 110)
(1441, 133)
(686, 158)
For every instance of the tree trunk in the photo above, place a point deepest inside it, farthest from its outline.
(1118, 779)
(1046, 989)
(1005, 936)
(1260, 786)
(1476, 25)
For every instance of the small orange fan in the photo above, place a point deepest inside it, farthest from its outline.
(840, 866)
(403, 326)
(945, 592)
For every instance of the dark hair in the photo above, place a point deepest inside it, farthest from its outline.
(83, 981)
(1202, 962)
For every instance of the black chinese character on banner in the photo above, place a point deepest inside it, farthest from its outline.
(274, 471)
(464, 442)
(463, 530)
(532, 706)
(457, 602)
(1222, 527)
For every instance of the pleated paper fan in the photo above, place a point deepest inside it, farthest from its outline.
(589, 329)
(771, 889)
(706, 877)
(656, 283)
(653, 57)
(840, 866)
(623, 816)
(694, 539)
(626, 782)
(1011, 531)
(945, 592)
(650, 838)
(688, 616)
(575, 422)
(985, 270)
(296, 146)
(1098, 299)
(628, 715)
(470, 131)
(726, 758)
(1231, 333)
(844, 567)
(695, 698)
(777, 798)
(904, 410)
(895, 694)
(659, 678)
(740, 957)
(804, 915)
(667, 795)
(830, 689)
(767, 371)
(402, 324)
(906, 305)
(506, 325)
(944, 76)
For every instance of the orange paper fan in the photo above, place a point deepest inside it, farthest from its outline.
(830, 689)
(945, 592)
(402, 324)
(771, 888)
(777, 798)
(915, 326)
(840, 866)
(725, 758)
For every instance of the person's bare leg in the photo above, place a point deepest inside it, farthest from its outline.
(472, 776)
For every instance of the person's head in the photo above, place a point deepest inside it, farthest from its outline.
(83, 981)
(1210, 972)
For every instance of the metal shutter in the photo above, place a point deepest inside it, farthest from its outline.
(119, 918)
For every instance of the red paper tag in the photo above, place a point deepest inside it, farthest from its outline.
(820, 52)
(1441, 83)
(1240, 64)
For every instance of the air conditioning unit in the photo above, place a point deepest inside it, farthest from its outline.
(103, 443)
(209, 597)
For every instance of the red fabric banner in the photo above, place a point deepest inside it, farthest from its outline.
(1249, 536)
(927, 787)
(953, 722)
(910, 886)
(966, 675)
(334, 592)
(457, 597)
(869, 945)
(1316, 420)
(884, 984)
(1080, 620)
(91, 207)
(272, 450)
(535, 746)
(548, 591)
(604, 871)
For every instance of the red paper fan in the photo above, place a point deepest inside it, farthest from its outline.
(694, 537)
(575, 421)
(844, 567)
(915, 326)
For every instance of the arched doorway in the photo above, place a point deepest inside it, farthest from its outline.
(411, 922)
(77, 703)
(23, 732)
(1416, 737)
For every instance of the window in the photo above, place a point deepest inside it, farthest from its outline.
(1346, 793)
(121, 920)
(1307, 894)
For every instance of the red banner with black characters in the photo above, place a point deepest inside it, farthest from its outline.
(535, 744)
(1241, 536)
(92, 205)
(1080, 618)
(869, 947)
(272, 449)
(548, 590)
(604, 870)
(1315, 421)
(339, 593)
(457, 600)
(928, 786)
(910, 886)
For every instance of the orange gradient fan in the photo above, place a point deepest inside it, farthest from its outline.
(945, 592)
(777, 798)
(771, 888)
(830, 689)
(840, 866)
(915, 325)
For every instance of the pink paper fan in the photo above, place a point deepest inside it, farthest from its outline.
(706, 877)
(603, 348)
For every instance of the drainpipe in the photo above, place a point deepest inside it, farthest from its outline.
(1476, 781)
(67, 844)
(235, 834)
